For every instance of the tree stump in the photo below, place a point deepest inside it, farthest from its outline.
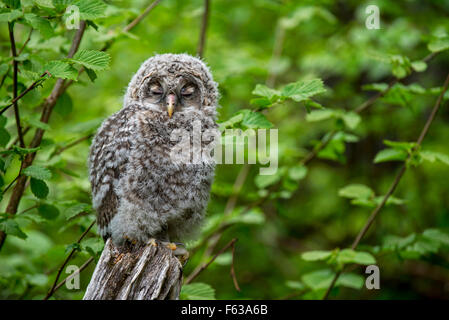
(139, 273)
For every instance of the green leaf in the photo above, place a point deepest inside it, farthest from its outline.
(297, 172)
(94, 246)
(354, 191)
(263, 181)
(4, 137)
(92, 59)
(37, 172)
(319, 115)
(39, 188)
(76, 209)
(351, 280)
(40, 24)
(256, 120)
(419, 66)
(437, 235)
(264, 91)
(91, 74)
(438, 44)
(91, 9)
(10, 16)
(64, 105)
(351, 119)
(60, 69)
(11, 227)
(433, 156)
(197, 291)
(48, 211)
(37, 123)
(295, 285)
(390, 155)
(303, 90)
(316, 255)
(351, 256)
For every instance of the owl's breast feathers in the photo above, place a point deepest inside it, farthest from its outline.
(130, 162)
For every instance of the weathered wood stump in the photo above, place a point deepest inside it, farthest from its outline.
(143, 273)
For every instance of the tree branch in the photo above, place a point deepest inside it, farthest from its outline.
(54, 286)
(395, 183)
(47, 108)
(203, 267)
(203, 31)
(141, 16)
(15, 71)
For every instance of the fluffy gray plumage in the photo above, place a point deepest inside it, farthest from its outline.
(139, 191)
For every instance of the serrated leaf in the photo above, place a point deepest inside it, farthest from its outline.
(256, 120)
(197, 291)
(354, 191)
(39, 188)
(264, 91)
(37, 172)
(92, 59)
(40, 24)
(48, 211)
(60, 69)
(91, 9)
(302, 90)
(390, 154)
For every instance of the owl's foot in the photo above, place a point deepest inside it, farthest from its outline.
(179, 251)
(152, 242)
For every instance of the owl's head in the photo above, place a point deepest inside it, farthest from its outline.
(173, 83)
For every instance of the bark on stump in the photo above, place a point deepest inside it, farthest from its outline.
(145, 273)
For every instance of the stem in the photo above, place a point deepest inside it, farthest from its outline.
(15, 71)
(395, 183)
(54, 286)
(203, 31)
(203, 267)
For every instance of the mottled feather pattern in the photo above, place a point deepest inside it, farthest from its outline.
(139, 190)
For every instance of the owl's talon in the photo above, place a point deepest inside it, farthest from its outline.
(172, 246)
(152, 242)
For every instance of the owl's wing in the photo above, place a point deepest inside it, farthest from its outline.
(107, 163)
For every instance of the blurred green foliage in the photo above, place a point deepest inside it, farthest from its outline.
(302, 67)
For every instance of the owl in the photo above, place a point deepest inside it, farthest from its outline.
(140, 190)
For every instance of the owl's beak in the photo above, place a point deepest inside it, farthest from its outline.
(171, 103)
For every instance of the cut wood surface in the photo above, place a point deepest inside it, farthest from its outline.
(144, 273)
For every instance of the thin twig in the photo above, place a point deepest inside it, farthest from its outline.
(142, 16)
(396, 181)
(233, 276)
(31, 87)
(53, 288)
(26, 41)
(15, 71)
(203, 267)
(72, 144)
(47, 108)
(84, 266)
(203, 30)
